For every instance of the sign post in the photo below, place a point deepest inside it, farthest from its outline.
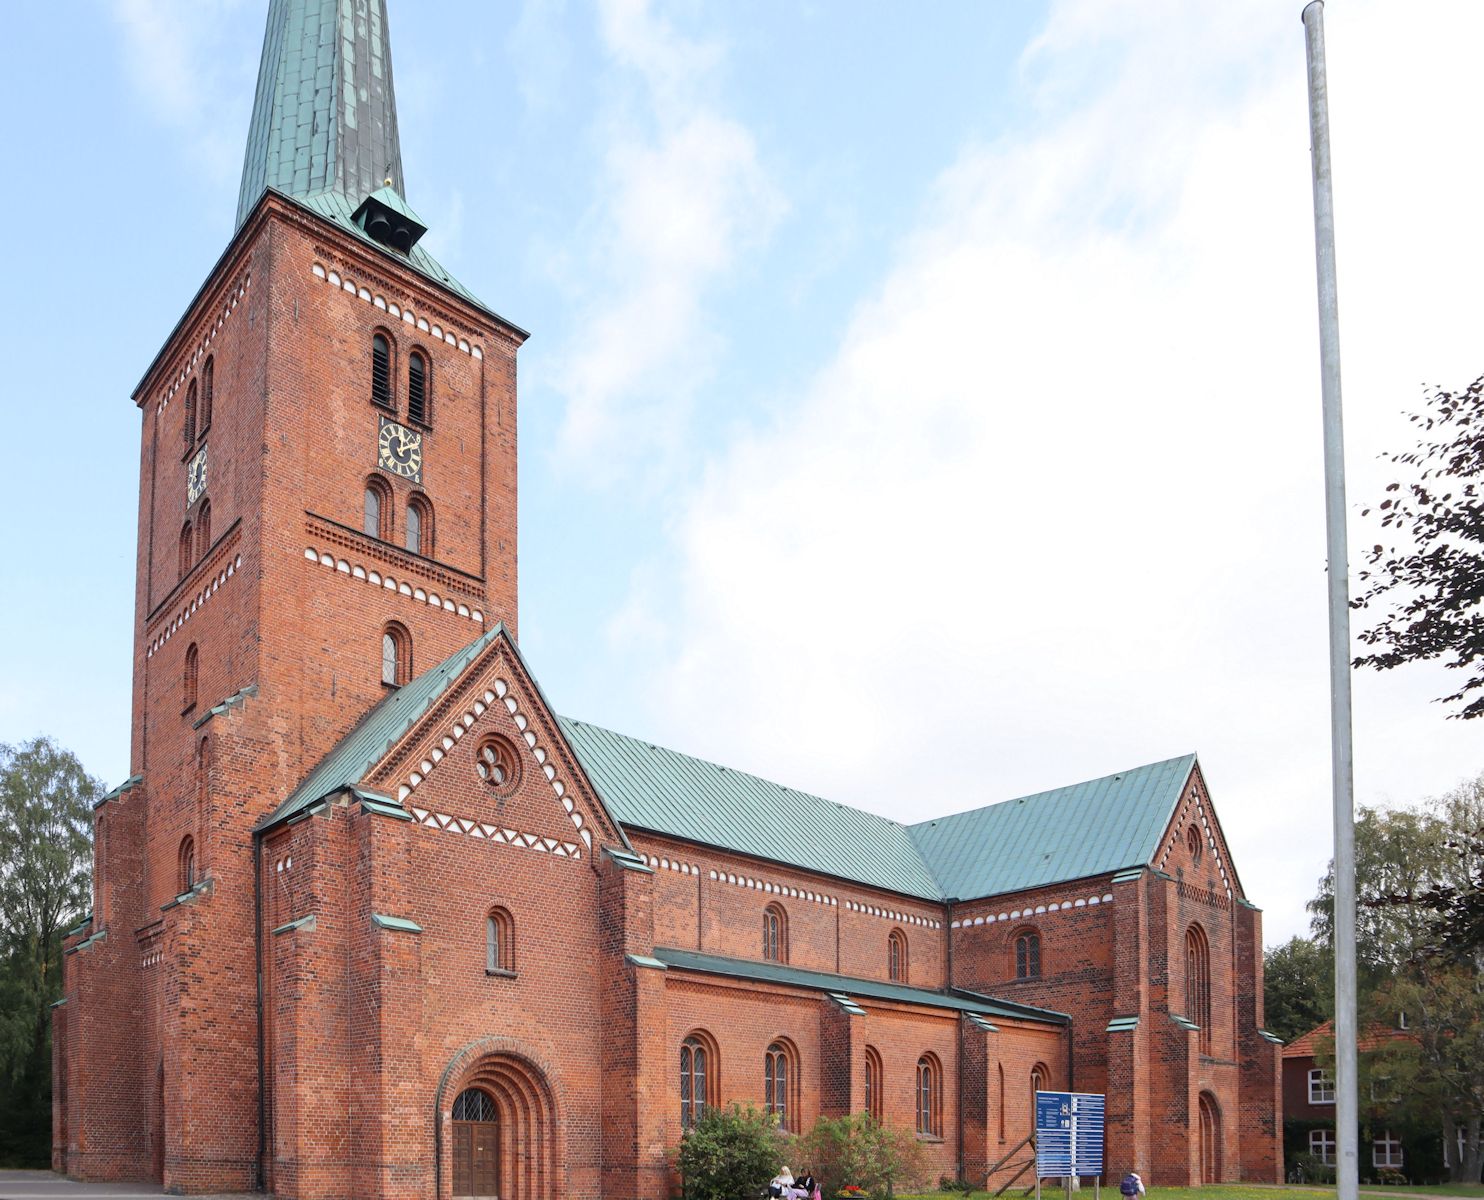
(1069, 1138)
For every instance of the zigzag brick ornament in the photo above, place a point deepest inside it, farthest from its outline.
(371, 919)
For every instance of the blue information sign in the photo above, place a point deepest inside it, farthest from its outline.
(1069, 1134)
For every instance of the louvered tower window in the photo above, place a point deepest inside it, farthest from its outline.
(381, 371)
(417, 388)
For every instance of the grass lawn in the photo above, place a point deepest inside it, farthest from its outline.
(1235, 1191)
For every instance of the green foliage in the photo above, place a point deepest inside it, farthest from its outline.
(1298, 987)
(1420, 884)
(1434, 582)
(45, 817)
(730, 1154)
(863, 1152)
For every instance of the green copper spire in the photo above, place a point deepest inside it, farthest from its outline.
(325, 117)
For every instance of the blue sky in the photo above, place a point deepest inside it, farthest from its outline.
(920, 410)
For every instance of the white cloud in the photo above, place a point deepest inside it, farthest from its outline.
(1053, 506)
(683, 193)
(181, 57)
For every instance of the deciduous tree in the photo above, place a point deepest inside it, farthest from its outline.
(1430, 579)
(45, 851)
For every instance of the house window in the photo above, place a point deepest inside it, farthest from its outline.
(203, 530)
(1386, 1152)
(873, 1083)
(1028, 955)
(1321, 1087)
(1322, 1145)
(396, 656)
(381, 371)
(187, 549)
(1198, 983)
(377, 510)
(419, 526)
(186, 875)
(417, 388)
(896, 956)
(189, 430)
(499, 941)
(192, 659)
(929, 1097)
(1194, 843)
(208, 386)
(778, 1078)
(695, 1074)
(775, 933)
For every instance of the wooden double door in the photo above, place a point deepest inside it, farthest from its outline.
(476, 1146)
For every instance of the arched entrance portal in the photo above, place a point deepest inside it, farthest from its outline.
(476, 1144)
(500, 1131)
(1210, 1140)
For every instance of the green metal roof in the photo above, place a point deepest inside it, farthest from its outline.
(648, 787)
(338, 208)
(325, 113)
(1069, 833)
(365, 745)
(838, 986)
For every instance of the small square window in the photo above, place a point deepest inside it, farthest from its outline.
(1322, 1145)
(1321, 1088)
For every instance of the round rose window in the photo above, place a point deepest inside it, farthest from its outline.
(497, 764)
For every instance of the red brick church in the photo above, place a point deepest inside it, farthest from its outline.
(371, 919)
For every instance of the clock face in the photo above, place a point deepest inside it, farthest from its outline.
(400, 450)
(196, 477)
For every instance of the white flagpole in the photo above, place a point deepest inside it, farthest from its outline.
(1346, 1108)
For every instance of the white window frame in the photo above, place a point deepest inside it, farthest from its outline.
(1386, 1152)
(1322, 1145)
(1321, 1087)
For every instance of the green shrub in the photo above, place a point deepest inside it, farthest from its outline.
(730, 1154)
(859, 1151)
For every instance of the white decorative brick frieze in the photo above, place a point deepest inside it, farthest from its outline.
(394, 310)
(402, 587)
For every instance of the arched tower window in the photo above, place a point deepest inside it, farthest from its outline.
(192, 659)
(189, 428)
(187, 549)
(203, 529)
(779, 1080)
(1028, 955)
(376, 512)
(697, 1077)
(1198, 983)
(873, 1082)
(420, 526)
(499, 941)
(417, 388)
(396, 655)
(208, 387)
(896, 956)
(929, 1094)
(186, 865)
(775, 933)
(381, 370)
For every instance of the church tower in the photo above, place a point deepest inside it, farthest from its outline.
(327, 507)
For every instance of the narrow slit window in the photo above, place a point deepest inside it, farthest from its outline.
(190, 418)
(208, 387)
(381, 371)
(417, 388)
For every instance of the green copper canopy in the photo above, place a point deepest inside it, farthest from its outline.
(324, 118)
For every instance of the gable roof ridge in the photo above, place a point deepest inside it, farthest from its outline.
(1064, 788)
(382, 726)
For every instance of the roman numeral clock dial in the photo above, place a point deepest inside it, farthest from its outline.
(400, 450)
(196, 477)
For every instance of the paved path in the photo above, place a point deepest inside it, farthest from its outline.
(44, 1185)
